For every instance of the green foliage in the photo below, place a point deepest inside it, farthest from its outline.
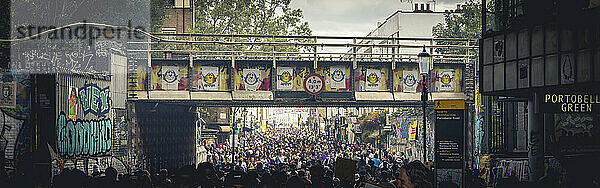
(466, 24)
(370, 124)
(260, 17)
(158, 9)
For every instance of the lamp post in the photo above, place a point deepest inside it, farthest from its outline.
(424, 60)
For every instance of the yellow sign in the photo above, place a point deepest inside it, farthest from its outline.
(569, 103)
(449, 104)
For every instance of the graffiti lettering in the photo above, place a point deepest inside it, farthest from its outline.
(83, 137)
(94, 100)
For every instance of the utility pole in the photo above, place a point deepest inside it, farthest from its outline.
(424, 99)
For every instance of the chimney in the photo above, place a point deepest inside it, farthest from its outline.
(428, 8)
(458, 7)
(416, 7)
(422, 6)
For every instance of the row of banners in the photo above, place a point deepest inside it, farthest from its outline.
(337, 78)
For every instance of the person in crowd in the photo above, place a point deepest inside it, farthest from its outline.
(414, 175)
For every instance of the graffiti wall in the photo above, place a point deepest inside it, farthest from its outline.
(577, 132)
(84, 125)
(93, 100)
(252, 78)
(89, 129)
(371, 78)
(121, 131)
(337, 78)
(15, 137)
(83, 137)
(210, 78)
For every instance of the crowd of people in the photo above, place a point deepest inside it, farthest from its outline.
(273, 158)
(293, 157)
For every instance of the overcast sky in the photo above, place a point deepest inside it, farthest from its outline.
(355, 17)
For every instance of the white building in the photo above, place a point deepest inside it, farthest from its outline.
(415, 23)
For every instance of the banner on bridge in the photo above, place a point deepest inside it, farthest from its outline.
(210, 78)
(285, 78)
(251, 79)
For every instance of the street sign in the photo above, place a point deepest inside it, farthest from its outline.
(449, 141)
(449, 104)
(569, 102)
(314, 84)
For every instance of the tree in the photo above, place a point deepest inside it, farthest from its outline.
(158, 11)
(466, 24)
(370, 125)
(260, 17)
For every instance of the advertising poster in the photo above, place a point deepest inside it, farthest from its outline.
(446, 80)
(410, 81)
(139, 76)
(373, 79)
(170, 77)
(158, 78)
(220, 81)
(300, 73)
(338, 77)
(264, 78)
(251, 79)
(223, 78)
(73, 104)
(285, 78)
(210, 78)
(455, 80)
(413, 130)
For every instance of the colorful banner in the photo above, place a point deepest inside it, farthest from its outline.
(251, 79)
(221, 81)
(170, 77)
(361, 78)
(446, 82)
(285, 78)
(413, 130)
(264, 78)
(373, 79)
(337, 77)
(410, 81)
(403, 127)
(210, 78)
(157, 79)
(453, 82)
(139, 76)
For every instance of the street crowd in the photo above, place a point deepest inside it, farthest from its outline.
(274, 158)
(294, 157)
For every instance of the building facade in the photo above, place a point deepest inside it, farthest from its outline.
(542, 56)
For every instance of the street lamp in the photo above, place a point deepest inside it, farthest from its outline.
(424, 60)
